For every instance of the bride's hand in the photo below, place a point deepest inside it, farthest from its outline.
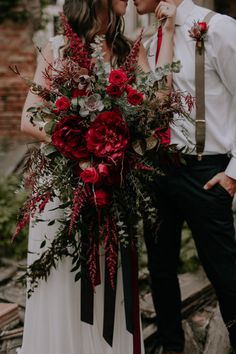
(166, 12)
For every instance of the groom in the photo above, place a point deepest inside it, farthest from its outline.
(199, 191)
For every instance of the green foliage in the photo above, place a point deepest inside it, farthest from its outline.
(11, 199)
(9, 10)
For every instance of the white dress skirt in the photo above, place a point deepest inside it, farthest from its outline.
(52, 318)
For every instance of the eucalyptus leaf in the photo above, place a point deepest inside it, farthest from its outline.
(151, 142)
(78, 276)
(49, 127)
(138, 147)
(48, 149)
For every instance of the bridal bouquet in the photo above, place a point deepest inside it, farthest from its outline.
(101, 125)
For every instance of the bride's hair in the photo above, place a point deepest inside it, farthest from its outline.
(82, 17)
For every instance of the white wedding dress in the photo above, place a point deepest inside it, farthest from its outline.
(52, 318)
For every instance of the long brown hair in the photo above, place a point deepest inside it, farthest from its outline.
(82, 17)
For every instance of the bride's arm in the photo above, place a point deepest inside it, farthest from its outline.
(33, 99)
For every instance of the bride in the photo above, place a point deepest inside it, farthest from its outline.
(53, 315)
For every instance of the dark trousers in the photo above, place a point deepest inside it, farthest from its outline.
(181, 197)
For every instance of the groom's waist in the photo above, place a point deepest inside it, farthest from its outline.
(206, 160)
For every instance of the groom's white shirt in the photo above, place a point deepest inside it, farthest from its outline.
(220, 81)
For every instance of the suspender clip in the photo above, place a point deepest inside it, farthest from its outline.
(199, 157)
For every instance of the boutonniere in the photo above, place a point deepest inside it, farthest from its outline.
(199, 32)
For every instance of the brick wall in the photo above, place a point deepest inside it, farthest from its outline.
(16, 48)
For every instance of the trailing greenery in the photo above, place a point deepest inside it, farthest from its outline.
(11, 199)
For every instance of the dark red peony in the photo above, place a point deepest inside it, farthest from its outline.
(68, 138)
(118, 77)
(89, 175)
(100, 198)
(108, 136)
(62, 103)
(134, 97)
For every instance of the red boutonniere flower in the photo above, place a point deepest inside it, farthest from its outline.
(198, 31)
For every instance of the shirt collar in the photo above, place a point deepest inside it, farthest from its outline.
(183, 10)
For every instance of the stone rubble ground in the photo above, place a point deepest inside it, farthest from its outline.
(204, 329)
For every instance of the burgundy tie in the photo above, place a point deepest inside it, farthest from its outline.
(159, 42)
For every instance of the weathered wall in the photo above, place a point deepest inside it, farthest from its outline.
(16, 48)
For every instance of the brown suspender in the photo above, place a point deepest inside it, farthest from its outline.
(200, 92)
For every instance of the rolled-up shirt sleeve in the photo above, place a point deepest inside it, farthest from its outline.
(223, 41)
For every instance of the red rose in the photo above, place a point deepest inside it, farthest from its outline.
(203, 26)
(89, 175)
(100, 198)
(107, 136)
(163, 135)
(103, 170)
(68, 138)
(114, 91)
(134, 97)
(118, 77)
(62, 103)
(128, 88)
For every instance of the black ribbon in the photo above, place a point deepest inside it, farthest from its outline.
(87, 292)
(126, 262)
(109, 307)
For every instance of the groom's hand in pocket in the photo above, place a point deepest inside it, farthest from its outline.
(228, 183)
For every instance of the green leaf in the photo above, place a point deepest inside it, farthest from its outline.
(78, 276)
(43, 244)
(48, 150)
(49, 127)
(76, 267)
(32, 109)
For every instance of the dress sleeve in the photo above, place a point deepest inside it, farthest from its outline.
(57, 43)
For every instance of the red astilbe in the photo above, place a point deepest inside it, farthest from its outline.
(80, 197)
(93, 258)
(131, 61)
(111, 248)
(177, 101)
(29, 209)
(190, 101)
(77, 47)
